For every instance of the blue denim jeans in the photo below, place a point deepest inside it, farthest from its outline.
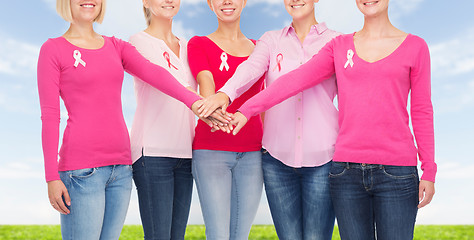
(230, 186)
(374, 201)
(99, 202)
(299, 200)
(164, 187)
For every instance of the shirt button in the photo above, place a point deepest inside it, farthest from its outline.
(299, 99)
(299, 118)
(363, 164)
(298, 137)
(301, 63)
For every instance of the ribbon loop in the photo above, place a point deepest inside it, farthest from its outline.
(77, 57)
(350, 54)
(224, 62)
(279, 58)
(166, 55)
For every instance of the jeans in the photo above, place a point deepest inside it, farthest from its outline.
(374, 201)
(99, 202)
(299, 200)
(164, 187)
(229, 185)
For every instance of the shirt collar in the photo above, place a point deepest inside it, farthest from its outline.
(320, 28)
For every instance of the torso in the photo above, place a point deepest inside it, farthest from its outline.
(216, 58)
(162, 140)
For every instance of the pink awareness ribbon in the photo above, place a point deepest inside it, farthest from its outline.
(166, 55)
(224, 62)
(350, 54)
(279, 58)
(77, 56)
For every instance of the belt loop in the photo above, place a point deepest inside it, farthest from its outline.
(347, 165)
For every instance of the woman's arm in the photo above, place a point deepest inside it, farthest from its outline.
(137, 65)
(313, 72)
(48, 74)
(422, 112)
(422, 121)
(200, 69)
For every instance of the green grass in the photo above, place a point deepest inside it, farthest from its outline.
(195, 232)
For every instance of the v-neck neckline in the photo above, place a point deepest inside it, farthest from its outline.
(384, 58)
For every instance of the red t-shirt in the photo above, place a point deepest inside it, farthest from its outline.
(204, 54)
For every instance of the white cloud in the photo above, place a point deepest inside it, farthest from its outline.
(51, 4)
(341, 15)
(123, 18)
(272, 10)
(400, 7)
(25, 169)
(455, 56)
(17, 58)
(273, 2)
(181, 31)
(452, 64)
(455, 171)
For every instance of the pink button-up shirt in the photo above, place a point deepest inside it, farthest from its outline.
(301, 131)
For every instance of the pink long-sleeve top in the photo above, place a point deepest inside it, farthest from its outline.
(302, 130)
(372, 98)
(90, 82)
(167, 131)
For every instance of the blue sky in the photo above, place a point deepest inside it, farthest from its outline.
(25, 25)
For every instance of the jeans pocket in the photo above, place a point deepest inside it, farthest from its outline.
(337, 169)
(82, 173)
(400, 172)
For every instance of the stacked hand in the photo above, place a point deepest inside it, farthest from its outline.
(212, 110)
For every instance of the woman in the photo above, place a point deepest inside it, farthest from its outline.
(373, 180)
(91, 185)
(227, 169)
(299, 133)
(162, 137)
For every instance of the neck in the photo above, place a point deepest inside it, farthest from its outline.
(377, 26)
(303, 26)
(161, 28)
(81, 30)
(229, 31)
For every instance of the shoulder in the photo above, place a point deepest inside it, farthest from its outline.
(51, 44)
(342, 40)
(117, 42)
(332, 33)
(52, 48)
(199, 43)
(345, 37)
(198, 40)
(416, 41)
(273, 35)
(137, 38)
